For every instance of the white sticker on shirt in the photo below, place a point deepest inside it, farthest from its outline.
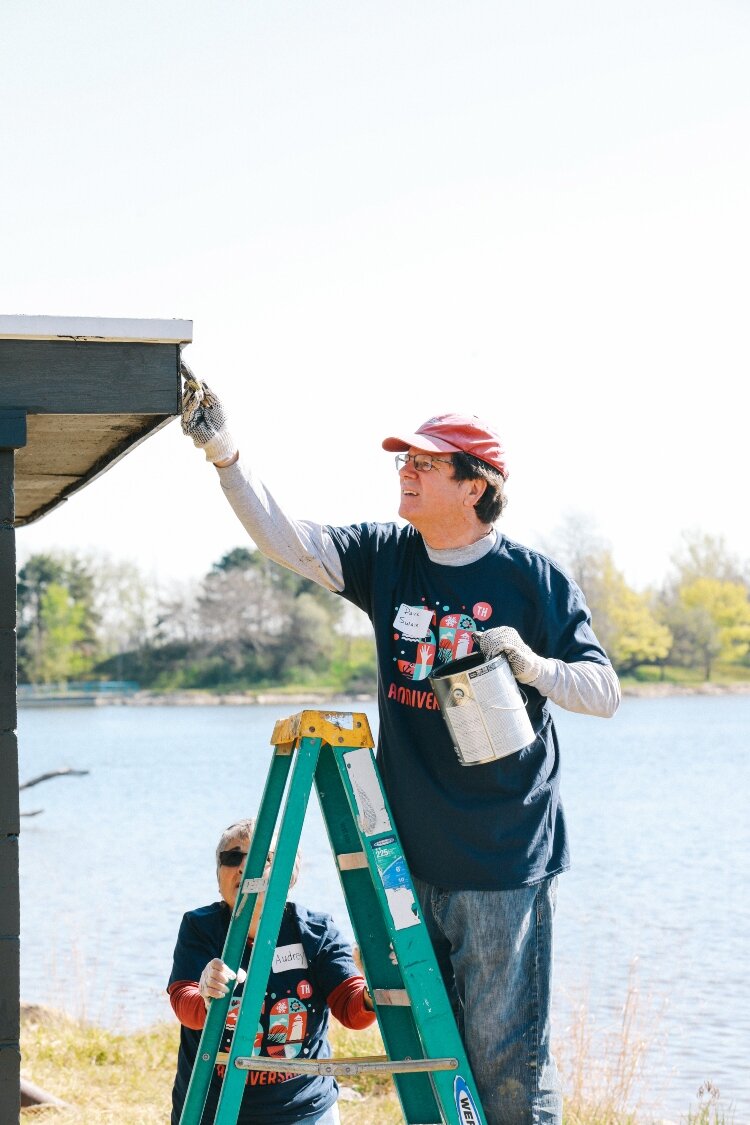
(288, 957)
(412, 621)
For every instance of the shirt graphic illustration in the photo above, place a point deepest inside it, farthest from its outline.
(445, 639)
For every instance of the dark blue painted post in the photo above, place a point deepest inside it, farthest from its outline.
(12, 437)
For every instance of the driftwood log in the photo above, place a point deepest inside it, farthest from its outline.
(34, 1016)
(34, 1095)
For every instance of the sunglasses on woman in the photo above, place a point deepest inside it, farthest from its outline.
(232, 858)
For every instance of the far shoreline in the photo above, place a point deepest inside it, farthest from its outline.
(317, 700)
(338, 701)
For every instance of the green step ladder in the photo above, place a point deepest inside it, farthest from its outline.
(425, 1054)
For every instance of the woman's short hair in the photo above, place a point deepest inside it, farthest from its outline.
(243, 830)
(493, 500)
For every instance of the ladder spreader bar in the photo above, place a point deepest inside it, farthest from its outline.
(379, 1064)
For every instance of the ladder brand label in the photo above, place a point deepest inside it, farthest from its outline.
(288, 957)
(394, 875)
(468, 1114)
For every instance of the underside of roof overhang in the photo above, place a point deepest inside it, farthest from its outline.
(91, 389)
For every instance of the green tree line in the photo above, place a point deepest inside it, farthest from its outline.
(249, 624)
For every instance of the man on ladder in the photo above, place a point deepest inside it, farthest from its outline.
(485, 845)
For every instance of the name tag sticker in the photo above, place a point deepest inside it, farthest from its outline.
(289, 957)
(412, 621)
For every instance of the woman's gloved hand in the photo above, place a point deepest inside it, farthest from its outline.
(215, 978)
(203, 418)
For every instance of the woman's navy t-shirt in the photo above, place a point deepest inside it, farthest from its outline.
(311, 960)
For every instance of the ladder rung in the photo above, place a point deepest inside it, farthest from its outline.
(351, 861)
(391, 997)
(374, 1064)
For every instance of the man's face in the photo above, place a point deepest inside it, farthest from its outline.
(428, 495)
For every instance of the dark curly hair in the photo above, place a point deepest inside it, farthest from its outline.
(493, 500)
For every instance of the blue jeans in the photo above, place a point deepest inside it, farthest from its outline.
(328, 1117)
(494, 949)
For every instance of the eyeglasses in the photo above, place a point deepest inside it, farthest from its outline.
(422, 462)
(232, 858)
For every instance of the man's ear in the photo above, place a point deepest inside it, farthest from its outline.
(475, 491)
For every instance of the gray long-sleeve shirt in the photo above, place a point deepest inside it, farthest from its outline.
(308, 549)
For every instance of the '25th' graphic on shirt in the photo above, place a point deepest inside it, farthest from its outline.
(416, 656)
(287, 1027)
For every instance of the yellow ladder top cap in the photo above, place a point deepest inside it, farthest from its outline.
(337, 728)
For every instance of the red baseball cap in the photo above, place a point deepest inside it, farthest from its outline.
(454, 433)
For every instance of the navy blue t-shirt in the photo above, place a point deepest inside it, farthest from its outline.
(487, 827)
(311, 960)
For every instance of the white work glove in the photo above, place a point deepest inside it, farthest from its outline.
(203, 418)
(215, 978)
(525, 665)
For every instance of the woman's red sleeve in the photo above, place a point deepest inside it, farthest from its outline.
(347, 1002)
(187, 1004)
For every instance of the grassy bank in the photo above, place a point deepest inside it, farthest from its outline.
(106, 1077)
(724, 677)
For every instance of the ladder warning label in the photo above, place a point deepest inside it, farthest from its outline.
(341, 720)
(365, 783)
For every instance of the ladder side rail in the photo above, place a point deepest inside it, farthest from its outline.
(430, 1006)
(264, 946)
(236, 939)
(368, 913)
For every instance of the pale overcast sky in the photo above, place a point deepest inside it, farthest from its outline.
(377, 211)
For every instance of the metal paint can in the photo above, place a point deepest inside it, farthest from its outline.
(483, 708)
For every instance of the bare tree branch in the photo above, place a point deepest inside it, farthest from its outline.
(66, 771)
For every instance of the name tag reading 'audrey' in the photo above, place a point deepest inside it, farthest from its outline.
(412, 621)
(288, 957)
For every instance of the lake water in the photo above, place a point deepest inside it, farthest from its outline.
(657, 904)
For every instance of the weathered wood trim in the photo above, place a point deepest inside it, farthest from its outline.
(97, 469)
(9, 785)
(10, 1082)
(10, 919)
(12, 429)
(96, 329)
(54, 377)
